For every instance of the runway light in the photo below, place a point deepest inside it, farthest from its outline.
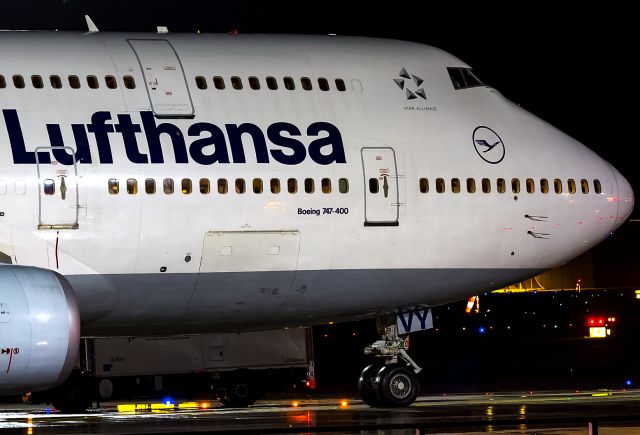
(343, 404)
(482, 330)
(295, 404)
(628, 383)
(204, 405)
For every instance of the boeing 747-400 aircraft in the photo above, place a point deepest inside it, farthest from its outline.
(194, 183)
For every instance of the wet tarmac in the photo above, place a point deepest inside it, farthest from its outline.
(560, 412)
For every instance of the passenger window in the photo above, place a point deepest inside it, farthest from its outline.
(531, 187)
(374, 186)
(240, 186)
(56, 83)
(292, 185)
(18, 81)
(272, 83)
(92, 82)
(132, 186)
(49, 187)
(501, 185)
(323, 84)
(306, 83)
(424, 185)
(440, 185)
(455, 185)
(289, 84)
(257, 185)
(167, 186)
(236, 83)
(326, 185)
(471, 185)
(3, 82)
(597, 187)
(343, 185)
(111, 82)
(130, 83)
(218, 82)
(205, 186)
(486, 185)
(254, 83)
(340, 85)
(114, 186)
(544, 185)
(222, 186)
(571, 185)
(74, 82)
(186, 186)
(274, 184)
(557, 185)
(37, 82)
(309, 185)
(150, 186)
(201, 82)
(585, 185)
(515, 185)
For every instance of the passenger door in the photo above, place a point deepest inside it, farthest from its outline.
(381, 195)
(58, 193)
(164, 78)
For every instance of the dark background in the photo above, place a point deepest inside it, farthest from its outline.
(570, 65)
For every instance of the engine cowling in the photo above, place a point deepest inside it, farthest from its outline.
(39, 329)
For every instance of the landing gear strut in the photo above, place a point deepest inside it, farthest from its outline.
(392, 380)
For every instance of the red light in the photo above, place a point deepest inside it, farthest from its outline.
(592, 322)
(600, 321)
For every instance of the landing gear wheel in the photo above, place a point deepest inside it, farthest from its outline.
(366, 384)
(396, 385)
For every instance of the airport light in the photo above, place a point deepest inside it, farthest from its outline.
(344, 403)
(295, 404)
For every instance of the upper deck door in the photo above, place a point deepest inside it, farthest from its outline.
(58, 193)
(380, 186)
(164, 78)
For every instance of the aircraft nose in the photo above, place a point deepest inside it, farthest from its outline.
(625, 195)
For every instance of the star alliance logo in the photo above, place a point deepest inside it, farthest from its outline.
(411, 85)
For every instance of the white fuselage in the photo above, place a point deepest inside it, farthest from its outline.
(158, 263)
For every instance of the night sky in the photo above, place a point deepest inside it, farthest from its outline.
(570, 66)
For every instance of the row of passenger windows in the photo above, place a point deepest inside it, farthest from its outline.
(501, 185)
(57, 82)
(222, 185)
(272, 83)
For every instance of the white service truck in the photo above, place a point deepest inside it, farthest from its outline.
(234, 367)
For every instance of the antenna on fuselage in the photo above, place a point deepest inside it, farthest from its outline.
(92, 28)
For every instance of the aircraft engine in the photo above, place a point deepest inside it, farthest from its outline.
(39, 329)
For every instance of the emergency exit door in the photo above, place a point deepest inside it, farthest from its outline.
(381, 195)
(58, 193)
(164, 78)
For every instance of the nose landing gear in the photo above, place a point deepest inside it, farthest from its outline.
(392, 382)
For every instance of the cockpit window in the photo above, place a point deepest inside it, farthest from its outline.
(463, 78)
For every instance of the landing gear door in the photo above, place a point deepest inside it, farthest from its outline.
(380, 186)
(58, 193)
(164, 78)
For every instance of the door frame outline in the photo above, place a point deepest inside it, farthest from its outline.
(146, 87)
(366, 189)
(67, 226)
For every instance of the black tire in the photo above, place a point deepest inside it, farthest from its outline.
(239, 393)
(396, 385)
(366, 384)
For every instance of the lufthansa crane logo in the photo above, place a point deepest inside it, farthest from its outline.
(411, 84)
(488, 145)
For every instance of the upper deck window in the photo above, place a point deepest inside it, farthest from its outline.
(463, 78)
